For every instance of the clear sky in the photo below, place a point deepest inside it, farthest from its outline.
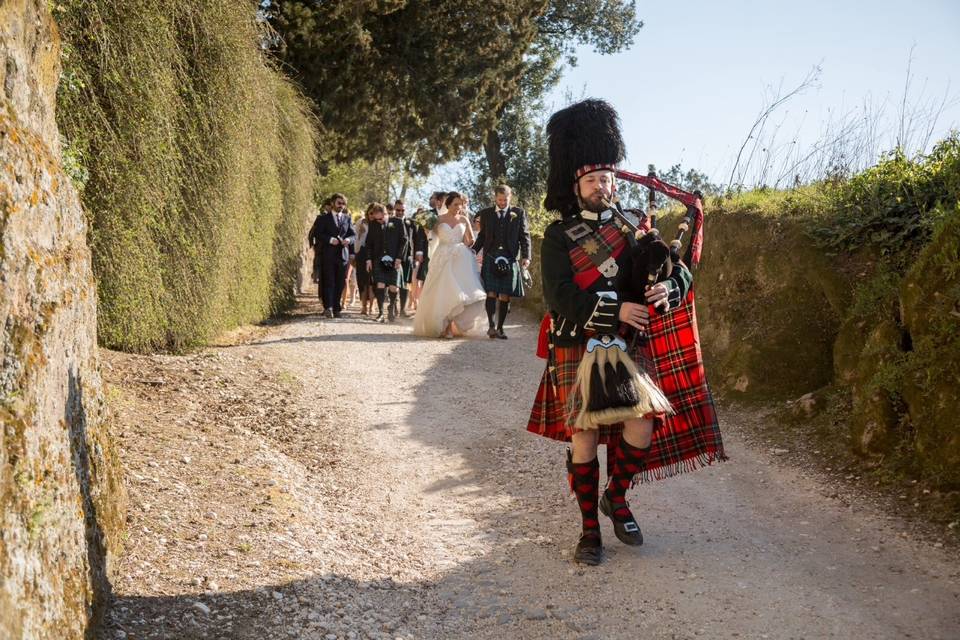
(694, 82)
(698, 74)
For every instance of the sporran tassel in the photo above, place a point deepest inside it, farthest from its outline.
(612, 389)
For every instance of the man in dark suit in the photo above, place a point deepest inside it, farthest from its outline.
(504, 239)
(385, 245)
(335, 238)
(406, 254)
(314, 240)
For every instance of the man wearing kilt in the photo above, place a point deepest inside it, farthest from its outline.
(599, 386)
(385, 242)
(409, 230)
(503, 238)
(314, 240)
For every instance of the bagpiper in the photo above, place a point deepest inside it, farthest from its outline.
(618, 372)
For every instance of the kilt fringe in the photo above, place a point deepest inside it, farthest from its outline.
(694, 463)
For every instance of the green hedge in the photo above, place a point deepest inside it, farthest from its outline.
(195, 160)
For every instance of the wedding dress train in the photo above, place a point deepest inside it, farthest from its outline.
(452, 290)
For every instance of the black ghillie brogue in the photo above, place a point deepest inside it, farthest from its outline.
(627, 530)
(589, 549)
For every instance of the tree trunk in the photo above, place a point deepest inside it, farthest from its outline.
(405, 184)
(496, 162)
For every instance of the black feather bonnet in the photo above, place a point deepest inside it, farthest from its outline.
(581, 136)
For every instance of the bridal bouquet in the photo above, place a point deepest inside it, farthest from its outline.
(426, 218)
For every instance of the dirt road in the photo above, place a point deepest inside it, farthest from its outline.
(344, 479)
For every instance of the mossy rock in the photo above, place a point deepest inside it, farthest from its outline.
(769, 305)
(847, 349)
(875, 417)
(930, 299)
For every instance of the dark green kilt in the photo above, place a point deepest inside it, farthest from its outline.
(507, 284)
(382, 275)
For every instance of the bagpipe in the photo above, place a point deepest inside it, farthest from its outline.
(612, 386)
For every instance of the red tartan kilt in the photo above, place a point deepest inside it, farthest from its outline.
(686, 440)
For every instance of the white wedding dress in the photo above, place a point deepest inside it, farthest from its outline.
(452, 290)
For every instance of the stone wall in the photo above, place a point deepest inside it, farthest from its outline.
(61, 500)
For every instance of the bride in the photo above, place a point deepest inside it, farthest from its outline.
(452, 299)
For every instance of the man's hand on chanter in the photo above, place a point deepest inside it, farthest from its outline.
(657, 295)
(635, 315)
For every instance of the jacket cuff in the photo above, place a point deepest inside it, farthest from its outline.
(673, 294)
(605, 316)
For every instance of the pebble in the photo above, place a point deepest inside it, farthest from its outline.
(202, 608)
(536, 614)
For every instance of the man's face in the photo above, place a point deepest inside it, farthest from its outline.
(594, 188)
(378, 215)
(399, 210)
(502, 200)
(339, 204)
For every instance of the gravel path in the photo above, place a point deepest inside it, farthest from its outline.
(343, 479)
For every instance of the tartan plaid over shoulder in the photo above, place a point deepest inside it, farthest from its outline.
(690, 438)
(607, 239)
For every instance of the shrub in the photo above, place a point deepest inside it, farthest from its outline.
(894, 205)
(197, 160)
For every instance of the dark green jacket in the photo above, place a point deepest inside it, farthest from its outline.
(575, 309)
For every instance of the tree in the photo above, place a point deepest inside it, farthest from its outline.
(514, 148)
(406, 78)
